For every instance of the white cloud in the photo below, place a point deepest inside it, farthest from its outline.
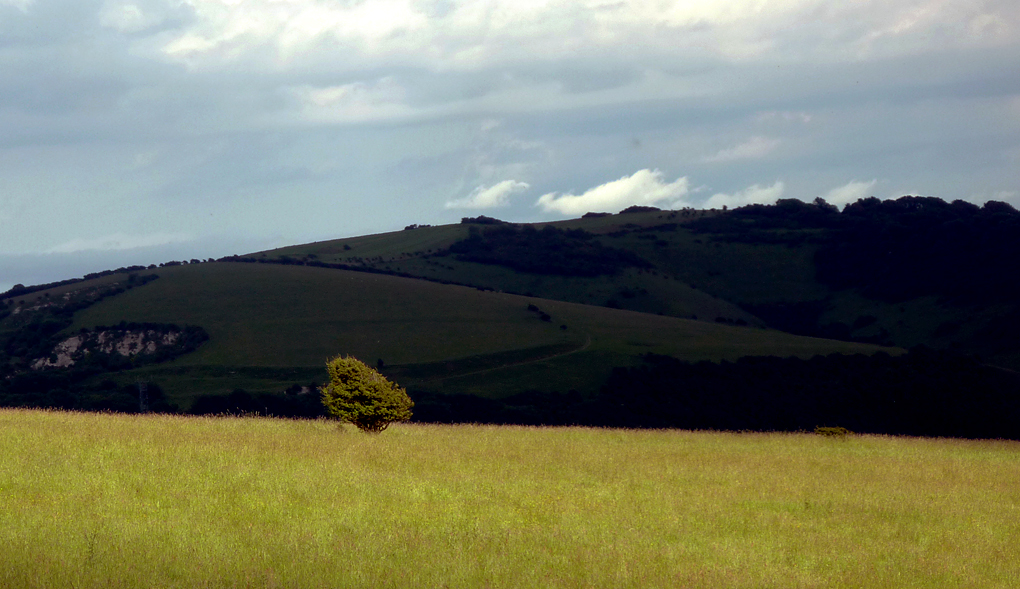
(477, 33)
(21, 5)
(354, 102)
(225, 30)
(754, 148)
(849, 193)
(497, 195)
(751, 195)
(644, 187)
(118, 241)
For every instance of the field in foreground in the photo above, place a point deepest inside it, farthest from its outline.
(91, 500)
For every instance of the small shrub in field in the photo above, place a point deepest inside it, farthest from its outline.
(358, 394)
(832, 432)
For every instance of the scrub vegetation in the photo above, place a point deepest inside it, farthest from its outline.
(360, 395)
(115, 501)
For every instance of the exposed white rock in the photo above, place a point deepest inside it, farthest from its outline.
(64, 351)
(124, 343)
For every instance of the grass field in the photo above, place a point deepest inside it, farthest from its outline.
(292, 318)
(108, 501)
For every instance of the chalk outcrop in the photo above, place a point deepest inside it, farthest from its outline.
(151, 343)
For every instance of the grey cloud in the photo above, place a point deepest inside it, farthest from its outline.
(101, 125)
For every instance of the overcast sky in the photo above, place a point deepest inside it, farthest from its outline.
(139, 131)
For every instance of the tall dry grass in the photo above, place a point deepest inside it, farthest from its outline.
(117, 501)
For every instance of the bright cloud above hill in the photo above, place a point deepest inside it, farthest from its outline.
(269, 122)
(644, 187)
(497, 195)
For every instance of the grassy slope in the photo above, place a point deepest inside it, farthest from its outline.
(694, 276)
(668, 292)
(117, 502)
(271, 315)
(386, 245)
(271, 326)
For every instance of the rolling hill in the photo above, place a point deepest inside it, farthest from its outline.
(271, 326)
(906, 272)
(491, 310)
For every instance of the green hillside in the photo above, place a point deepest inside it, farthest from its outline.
(271, 326)
(905, 272)
(691, 275)
(537, 316)
(421, 252)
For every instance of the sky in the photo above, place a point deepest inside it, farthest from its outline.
(142, 131)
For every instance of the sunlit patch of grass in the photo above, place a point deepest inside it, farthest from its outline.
(157, 501)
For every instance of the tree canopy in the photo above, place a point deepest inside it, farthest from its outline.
(358, 394)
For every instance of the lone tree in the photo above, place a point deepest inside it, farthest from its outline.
(358, 394)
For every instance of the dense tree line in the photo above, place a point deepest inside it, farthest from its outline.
(780, 222)
(482, 220)
(913, 246)
(571, 252)
(22, 290)
(924, 393)
(893, 250)
(75, 390)
(639, 209)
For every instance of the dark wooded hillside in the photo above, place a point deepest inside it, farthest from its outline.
(925, 393)
(894, 250)
(571, 252)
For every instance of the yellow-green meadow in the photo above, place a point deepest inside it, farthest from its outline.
(90, 500)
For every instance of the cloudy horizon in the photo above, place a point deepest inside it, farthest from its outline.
(138, 131)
